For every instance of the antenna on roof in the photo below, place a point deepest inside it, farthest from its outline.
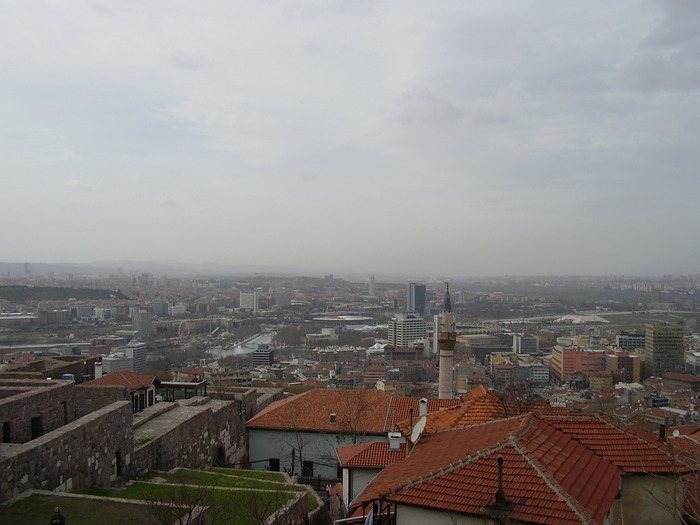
(418, 429)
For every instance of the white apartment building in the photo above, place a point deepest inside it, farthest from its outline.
(249, 301)
(405, 330)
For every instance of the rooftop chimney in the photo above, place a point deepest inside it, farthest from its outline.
(662, 433)
(423, 407)
(500, 495)
(395, 439)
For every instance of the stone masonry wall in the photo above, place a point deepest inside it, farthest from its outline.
(50, 404)
(91, 398)
(96, 450)
(195, 442)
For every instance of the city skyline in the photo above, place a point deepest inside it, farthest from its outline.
(525, 138)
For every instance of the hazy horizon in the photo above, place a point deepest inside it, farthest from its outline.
(172, 268)
(482, 138)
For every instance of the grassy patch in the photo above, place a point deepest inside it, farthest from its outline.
(37, 510)
(255, 474)
(187, 488)
(219, 479)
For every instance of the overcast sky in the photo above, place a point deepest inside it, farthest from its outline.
(447, 138)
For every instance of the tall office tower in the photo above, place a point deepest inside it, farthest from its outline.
(446, 343)
(249, 301)
(372, 292)
(663, 349)
(406, 330)
(136, 351)
(142, 322)
(415, 298)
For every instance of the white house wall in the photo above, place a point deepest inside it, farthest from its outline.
(315, 446)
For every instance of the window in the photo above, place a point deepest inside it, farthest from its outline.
(37, 427)
(6, 432)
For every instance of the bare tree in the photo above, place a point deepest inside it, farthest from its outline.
(517, 398)
(352, 419)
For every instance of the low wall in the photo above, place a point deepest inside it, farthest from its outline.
(195, 442)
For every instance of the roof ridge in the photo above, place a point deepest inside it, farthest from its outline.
(552, 482)
(483, 423)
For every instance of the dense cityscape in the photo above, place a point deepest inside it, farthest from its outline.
(339, 386)
(334, 262)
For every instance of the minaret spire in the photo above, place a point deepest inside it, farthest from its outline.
(447, 339)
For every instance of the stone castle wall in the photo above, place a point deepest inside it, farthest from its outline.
(211, 431)
(95, 450)
(95, 397)
(46, 405)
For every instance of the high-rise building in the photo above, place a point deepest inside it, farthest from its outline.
(407, 330)
(372, 292)
(415, 298)
(249, 301)
(663, 349)
(143, 322)
(136, 351)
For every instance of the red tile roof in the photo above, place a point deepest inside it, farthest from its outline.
(362, 411)
(370, 455)
(480, 406)
(681, 377)
(549, 477)
(634, 451)
(557, 469)
(130, 380)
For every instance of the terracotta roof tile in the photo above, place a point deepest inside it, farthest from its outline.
(360, 411)
(370, 455)
(480, 407)
(131, 380)
(548, 476)
(557, 469)
(632, 450)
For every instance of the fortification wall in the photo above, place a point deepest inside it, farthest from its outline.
(35, 411)
(95, 450)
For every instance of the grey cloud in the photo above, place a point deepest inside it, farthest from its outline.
(190, 63)
(420, 106)
(167, 200)
(681, 24)
(655, 72)
(77, 184)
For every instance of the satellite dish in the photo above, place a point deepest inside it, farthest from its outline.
(676, 433)
(418, 429)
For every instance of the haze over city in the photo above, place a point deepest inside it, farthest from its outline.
(457, 138)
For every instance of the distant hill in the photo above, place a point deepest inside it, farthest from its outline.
(22, 294)
(168, 268)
